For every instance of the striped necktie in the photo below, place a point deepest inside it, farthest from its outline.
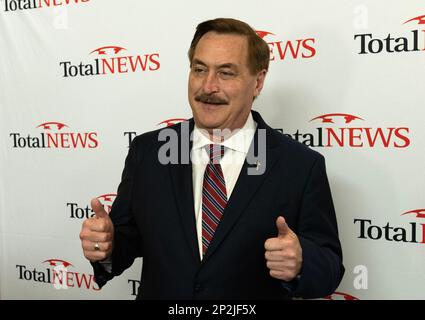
(214, 195)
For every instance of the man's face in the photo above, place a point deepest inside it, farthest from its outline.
(221, 86)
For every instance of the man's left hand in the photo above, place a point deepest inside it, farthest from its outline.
(283, 253)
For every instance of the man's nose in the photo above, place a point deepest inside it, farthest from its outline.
(211, 84)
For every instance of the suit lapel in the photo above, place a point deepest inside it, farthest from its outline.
(246, 186)
(181, 176)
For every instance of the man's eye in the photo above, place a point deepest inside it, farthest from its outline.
(226, 74)
(198, 70)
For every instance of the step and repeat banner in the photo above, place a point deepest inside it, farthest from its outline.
(79, 79)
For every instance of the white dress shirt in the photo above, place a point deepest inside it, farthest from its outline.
(237, 147)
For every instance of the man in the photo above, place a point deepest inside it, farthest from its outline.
(207, 228)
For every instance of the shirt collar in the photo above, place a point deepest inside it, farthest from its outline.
(240, 141)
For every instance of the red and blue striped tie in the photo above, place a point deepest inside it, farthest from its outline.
(214, 195)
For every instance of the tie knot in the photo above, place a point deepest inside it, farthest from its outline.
(215, 152)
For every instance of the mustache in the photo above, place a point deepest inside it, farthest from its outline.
(211, 99)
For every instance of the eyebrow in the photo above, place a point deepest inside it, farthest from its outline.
(224, 65)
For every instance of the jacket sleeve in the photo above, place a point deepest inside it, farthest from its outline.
(127, 240)
(322, 268)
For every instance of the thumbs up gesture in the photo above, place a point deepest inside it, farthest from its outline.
(283, 253)
(97, 234)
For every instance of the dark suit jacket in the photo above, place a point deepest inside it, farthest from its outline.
(154, 218)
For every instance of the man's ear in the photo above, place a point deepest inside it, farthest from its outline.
(261, 77)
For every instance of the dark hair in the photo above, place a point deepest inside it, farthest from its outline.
(258, 49)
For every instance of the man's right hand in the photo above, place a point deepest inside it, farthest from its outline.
(97, 234)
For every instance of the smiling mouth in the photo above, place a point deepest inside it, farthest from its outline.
(212, 104)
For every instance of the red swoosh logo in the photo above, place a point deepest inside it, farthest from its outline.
(328, 118)
(55, 262)
(420, 213)
(171, 122)
(102, 50)
(263, 34)
(48, 125)
(109, 197)
(338, 295)
(420, 19)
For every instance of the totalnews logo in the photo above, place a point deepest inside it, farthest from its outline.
(14, 5)
(78, 211)
(414, 232)
(280, 50)
(111, 60)
(409, 42)
(347, 130)
(56, 272)
(166, 123)
(55, 135)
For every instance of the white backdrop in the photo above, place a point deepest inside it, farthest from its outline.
(65, 130)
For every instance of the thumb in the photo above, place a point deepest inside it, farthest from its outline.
(98, 209)
(282, 227)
